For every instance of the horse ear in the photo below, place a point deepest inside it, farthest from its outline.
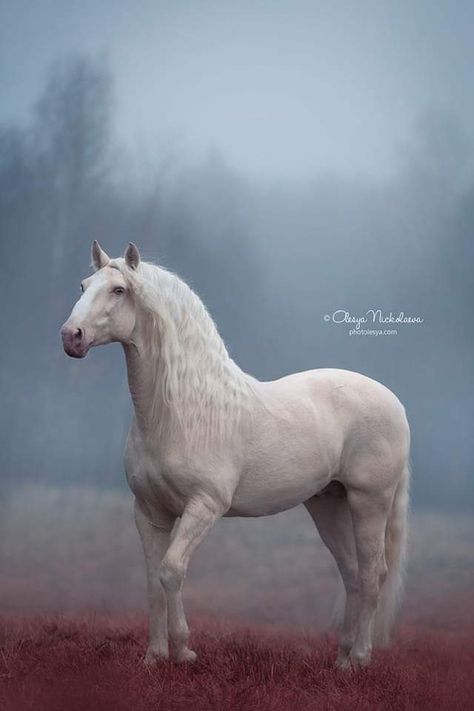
(132, 256)
(99, 257)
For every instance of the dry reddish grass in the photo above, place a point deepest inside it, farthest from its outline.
(76, 549)
(94, 664)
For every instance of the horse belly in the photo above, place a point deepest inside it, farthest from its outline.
(268, 502)
(282, 482)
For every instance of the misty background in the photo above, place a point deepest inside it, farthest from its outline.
(287, 159)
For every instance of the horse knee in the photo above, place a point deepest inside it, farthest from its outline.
(171, 575)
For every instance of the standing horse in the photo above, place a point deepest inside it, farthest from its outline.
(207, 440)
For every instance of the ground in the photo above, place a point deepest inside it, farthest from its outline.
(53, 663)
(258, 594)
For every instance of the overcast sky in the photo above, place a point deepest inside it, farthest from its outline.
(280, 88)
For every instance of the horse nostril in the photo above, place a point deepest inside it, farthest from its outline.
(78, 334)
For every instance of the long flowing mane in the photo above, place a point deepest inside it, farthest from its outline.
(203, 389)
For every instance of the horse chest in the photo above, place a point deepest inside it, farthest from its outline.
(153, 482)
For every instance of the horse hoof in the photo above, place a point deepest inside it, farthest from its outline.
(359, 661)
(343, 662)
(153, 657)
(352, 662)
(186, 655)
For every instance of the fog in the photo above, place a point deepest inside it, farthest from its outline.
(281, 88)
(288, 160)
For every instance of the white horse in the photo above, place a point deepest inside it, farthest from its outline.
(207, 440)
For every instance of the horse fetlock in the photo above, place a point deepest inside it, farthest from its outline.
(346, 642)
(179, 637)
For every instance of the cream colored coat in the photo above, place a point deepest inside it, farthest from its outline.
(208, 440)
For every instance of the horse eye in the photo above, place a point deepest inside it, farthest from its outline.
(119, 290)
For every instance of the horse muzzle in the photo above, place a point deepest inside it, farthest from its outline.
(75, 343)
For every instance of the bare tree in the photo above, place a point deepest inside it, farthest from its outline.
(73, 137)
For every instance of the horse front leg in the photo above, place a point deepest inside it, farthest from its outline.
(197, 519)
(155, 540)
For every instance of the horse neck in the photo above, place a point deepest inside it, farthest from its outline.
(140, 382)
(199, 394)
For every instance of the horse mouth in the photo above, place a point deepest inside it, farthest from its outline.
(76, 351)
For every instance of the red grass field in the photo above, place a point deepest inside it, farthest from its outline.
(55, 663)
(70, 550)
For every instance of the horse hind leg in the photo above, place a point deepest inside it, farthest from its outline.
(369, 511)
(331, 514)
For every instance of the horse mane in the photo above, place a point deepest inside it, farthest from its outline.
(203, 389)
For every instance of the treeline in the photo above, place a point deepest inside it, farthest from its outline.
(268, 260)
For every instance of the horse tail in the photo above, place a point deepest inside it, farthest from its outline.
(395, 557)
